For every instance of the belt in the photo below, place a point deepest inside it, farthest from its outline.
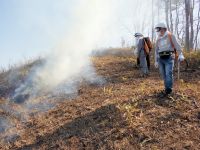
(166, 53)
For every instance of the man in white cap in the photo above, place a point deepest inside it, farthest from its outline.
(141, 55)
(165, 50)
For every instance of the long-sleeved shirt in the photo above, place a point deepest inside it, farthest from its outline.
(140, 47)
(164, 44)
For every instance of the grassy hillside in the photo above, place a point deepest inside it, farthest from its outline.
(125, 113)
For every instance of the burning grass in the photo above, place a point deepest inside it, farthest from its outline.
(125, 113)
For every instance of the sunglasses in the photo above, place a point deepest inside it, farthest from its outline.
(158, 29)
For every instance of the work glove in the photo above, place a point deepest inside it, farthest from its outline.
(156, 64)
(136, 52)
(181, 57)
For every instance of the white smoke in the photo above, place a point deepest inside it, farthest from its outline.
(69, 62)
(64, 68)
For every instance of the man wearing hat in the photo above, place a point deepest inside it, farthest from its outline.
(166, 46)
(141, 55)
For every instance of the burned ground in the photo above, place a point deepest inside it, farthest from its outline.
(125, 113)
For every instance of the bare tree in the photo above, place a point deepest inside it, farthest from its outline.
(123, 42)
(186, 27)
(171, 17)
(187, 16)
(177, 20)
(192, 25)
(158, 10)
(152, 36)
(167, 13)
(197, 29)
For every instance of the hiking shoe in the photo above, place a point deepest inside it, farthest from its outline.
(170, 96)
(147, 74)
(168, 91)
(162, 94)
(144, 75)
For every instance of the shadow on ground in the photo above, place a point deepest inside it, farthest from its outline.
(103, 128)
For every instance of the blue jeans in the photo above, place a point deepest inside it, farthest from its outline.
(166, 70)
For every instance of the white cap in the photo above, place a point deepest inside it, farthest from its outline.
(138, 34)
(161, 25)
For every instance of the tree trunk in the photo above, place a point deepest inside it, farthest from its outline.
(192, 26)
(177, 21)
(167, 13)
(158, 11)
(152, 34)
(187, 36)
(197, 29)
(171, 18)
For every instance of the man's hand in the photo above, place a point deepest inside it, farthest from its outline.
(135, 52)
(181, 57)
(156, 64)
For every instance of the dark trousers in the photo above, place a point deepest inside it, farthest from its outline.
(148, 61)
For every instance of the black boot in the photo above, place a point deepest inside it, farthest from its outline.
(168, 91)
(162, 94)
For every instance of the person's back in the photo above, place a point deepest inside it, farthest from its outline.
(141, 54)
(149, 47)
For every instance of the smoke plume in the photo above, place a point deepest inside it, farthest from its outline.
(69, 62)
(64, 67)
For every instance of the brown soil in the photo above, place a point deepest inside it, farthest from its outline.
(125, 113)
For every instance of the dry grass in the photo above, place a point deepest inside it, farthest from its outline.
(125, 114)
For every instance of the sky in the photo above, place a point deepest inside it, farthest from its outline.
(31, 28)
